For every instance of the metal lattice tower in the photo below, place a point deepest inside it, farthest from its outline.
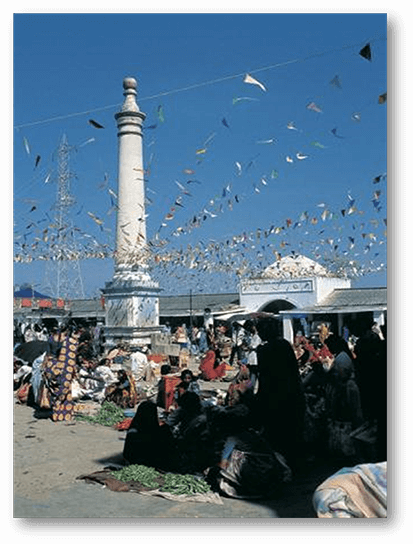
(64, 277)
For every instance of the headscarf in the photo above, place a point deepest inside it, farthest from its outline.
(240, 385)
(146, 418)
(336, 345)
(343, 368)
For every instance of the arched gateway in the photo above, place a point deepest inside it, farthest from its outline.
(292, 282)
(275, 306)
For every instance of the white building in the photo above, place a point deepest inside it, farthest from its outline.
(304, 293)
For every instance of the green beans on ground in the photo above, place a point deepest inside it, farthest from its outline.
(138, 473)
(184, 484)
(176, 484)
(109, 414)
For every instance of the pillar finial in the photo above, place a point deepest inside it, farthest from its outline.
(130, 85)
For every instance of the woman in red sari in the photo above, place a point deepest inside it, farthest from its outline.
(211, 368)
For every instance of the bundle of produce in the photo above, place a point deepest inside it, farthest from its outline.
(108, 415)
(176, 484)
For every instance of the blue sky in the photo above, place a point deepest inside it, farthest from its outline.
(68, 68)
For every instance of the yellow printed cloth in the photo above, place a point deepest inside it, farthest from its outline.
(59, 374)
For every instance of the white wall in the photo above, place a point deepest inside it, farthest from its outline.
(300, 292)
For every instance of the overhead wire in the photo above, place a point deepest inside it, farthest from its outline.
(201, 84)
(194, 86)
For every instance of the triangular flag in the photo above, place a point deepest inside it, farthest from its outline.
(335, 82)
(383, 98)
(365, 52)
(250, 79)
(161, 116)
(313, 107)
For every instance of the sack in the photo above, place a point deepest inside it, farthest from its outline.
(22, 393)
(249, 475)
(44, 398)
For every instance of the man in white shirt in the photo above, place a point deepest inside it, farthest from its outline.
(139, 362)
(238, 337)
(252, 361)
(141, 367)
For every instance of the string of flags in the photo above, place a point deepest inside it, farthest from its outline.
(244, 254)
(231, 254)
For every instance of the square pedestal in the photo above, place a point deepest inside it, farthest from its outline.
(132, 310)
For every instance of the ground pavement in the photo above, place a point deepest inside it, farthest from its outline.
(48, 457)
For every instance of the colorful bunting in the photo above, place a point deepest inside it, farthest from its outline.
(312, 106)
(253, 81)
(95, 124)
(160, 113)
(365, 52)
(335, 82)
(383, 98)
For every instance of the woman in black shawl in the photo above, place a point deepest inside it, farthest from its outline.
(280, 397)
(148, 443)
(371, 376)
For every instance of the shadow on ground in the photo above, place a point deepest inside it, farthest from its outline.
(111, 460)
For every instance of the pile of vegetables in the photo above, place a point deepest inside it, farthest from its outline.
(138, 473)
(109, 414)
(184, 484)
(177, 484)
(124, 425)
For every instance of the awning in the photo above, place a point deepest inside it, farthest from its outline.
(333, 310)
(243, 316)
(225, 315)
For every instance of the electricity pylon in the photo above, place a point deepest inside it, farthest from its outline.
(63, 273)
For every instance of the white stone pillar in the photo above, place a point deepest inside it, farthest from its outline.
(288, 331)
(131, 224)
(131, 298)
(379, 317)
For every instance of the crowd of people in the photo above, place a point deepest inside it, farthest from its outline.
(285, 405)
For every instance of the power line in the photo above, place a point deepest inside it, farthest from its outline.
(203, 83)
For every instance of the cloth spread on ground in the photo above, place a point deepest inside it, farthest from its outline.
(355, 492)
(105, 477)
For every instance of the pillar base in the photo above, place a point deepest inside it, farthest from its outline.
(130, 336)
(132, 308)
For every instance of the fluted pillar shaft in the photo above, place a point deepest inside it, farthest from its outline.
(131, 226)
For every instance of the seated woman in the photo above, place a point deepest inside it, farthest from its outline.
(123, 393)
(160, 398)
(241, 388)
(180, 389)
(189, 423)
(211, 367)
(148, 443)
(189, 407)
(188, 377)
(166, 387)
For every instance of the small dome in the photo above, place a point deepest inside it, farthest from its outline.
(130, 83)
(295, 266)
(129, 92)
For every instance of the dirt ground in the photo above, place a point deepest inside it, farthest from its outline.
(49, 457)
